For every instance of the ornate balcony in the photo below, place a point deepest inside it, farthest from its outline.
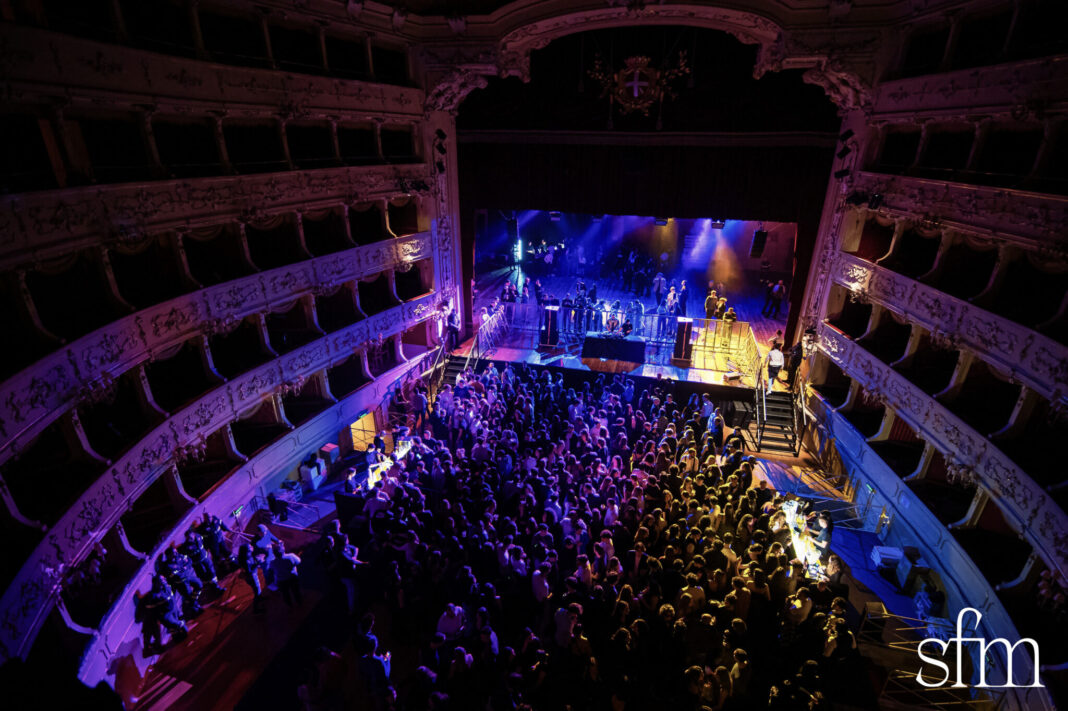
(49, 223)
(1028, 508)
(912, 523)
(25, 603)
(1036, 360)
(35, 397)
(1013, 215)
(1001, 88)
(113, 74)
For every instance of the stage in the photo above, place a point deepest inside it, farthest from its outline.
(715, 352)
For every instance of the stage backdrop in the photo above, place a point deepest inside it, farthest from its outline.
(771, 183)
(695, 249)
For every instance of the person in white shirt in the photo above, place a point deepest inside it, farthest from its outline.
(775, 364)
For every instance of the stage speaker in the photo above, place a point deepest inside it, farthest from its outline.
(760, 239)
(683, 347)
(550, 326)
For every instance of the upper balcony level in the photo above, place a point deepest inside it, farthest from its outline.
(987, 34)
(1034, 220)
(241, 34)
(45, 225)
(41, 392)
(1007, 306)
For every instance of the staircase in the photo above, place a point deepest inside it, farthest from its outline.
(776, 423)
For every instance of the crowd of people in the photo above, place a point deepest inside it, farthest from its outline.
(188, 573)
(597, 545)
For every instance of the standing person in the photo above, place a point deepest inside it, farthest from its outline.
(286, 566)
(684, 297)
(768, 287)
(452, 327)
(659, 287)
(797, 355)
(775, 363)
(249, 564)
(711, 302)
(778, 293)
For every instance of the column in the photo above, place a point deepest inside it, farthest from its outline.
(266, 29)
(81, 171)
(975, 510)
(220, 142)
(378, 140)
(198, 33)
(158, 169)
(117, 22)
(180, 500)
(925, 135)
(951, 41)
(370, 57)
(322, 45)
(334, 139)
(982, 131)
(285, 144)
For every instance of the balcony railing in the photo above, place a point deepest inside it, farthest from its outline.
(999, 87)
(34, 398)
(1007, 213)
(1034, 359)
(58, 221)
(24, 604)
(1028, 508)
(913, 523)
(235, 491)
(108, 70)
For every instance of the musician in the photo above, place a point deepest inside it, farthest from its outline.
(628, 327)
(613, 322)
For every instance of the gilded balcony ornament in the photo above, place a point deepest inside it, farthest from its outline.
(944, 341)
(293, 386)
(194, 451)
(99, 390)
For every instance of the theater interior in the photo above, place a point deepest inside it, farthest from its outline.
(542, 354)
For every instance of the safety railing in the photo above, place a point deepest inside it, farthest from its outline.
(716, 344)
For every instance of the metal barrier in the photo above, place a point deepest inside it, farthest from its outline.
(716, 344)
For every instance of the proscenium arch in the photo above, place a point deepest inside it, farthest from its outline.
(515, 47)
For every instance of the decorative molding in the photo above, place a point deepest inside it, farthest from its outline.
(1037, 360)
(515, 46)
(1006, 89)
(1024, 502)
(450, 89)
(915, 524)
(1014, 215)
(38, 225)
(34, 398)
(40, 65)
(26, 600)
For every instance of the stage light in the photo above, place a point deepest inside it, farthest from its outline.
(661, 221)
(843, 173)
(555, 216)
(846, 135)
(717, 224)
(598, 218)
(844, 152)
